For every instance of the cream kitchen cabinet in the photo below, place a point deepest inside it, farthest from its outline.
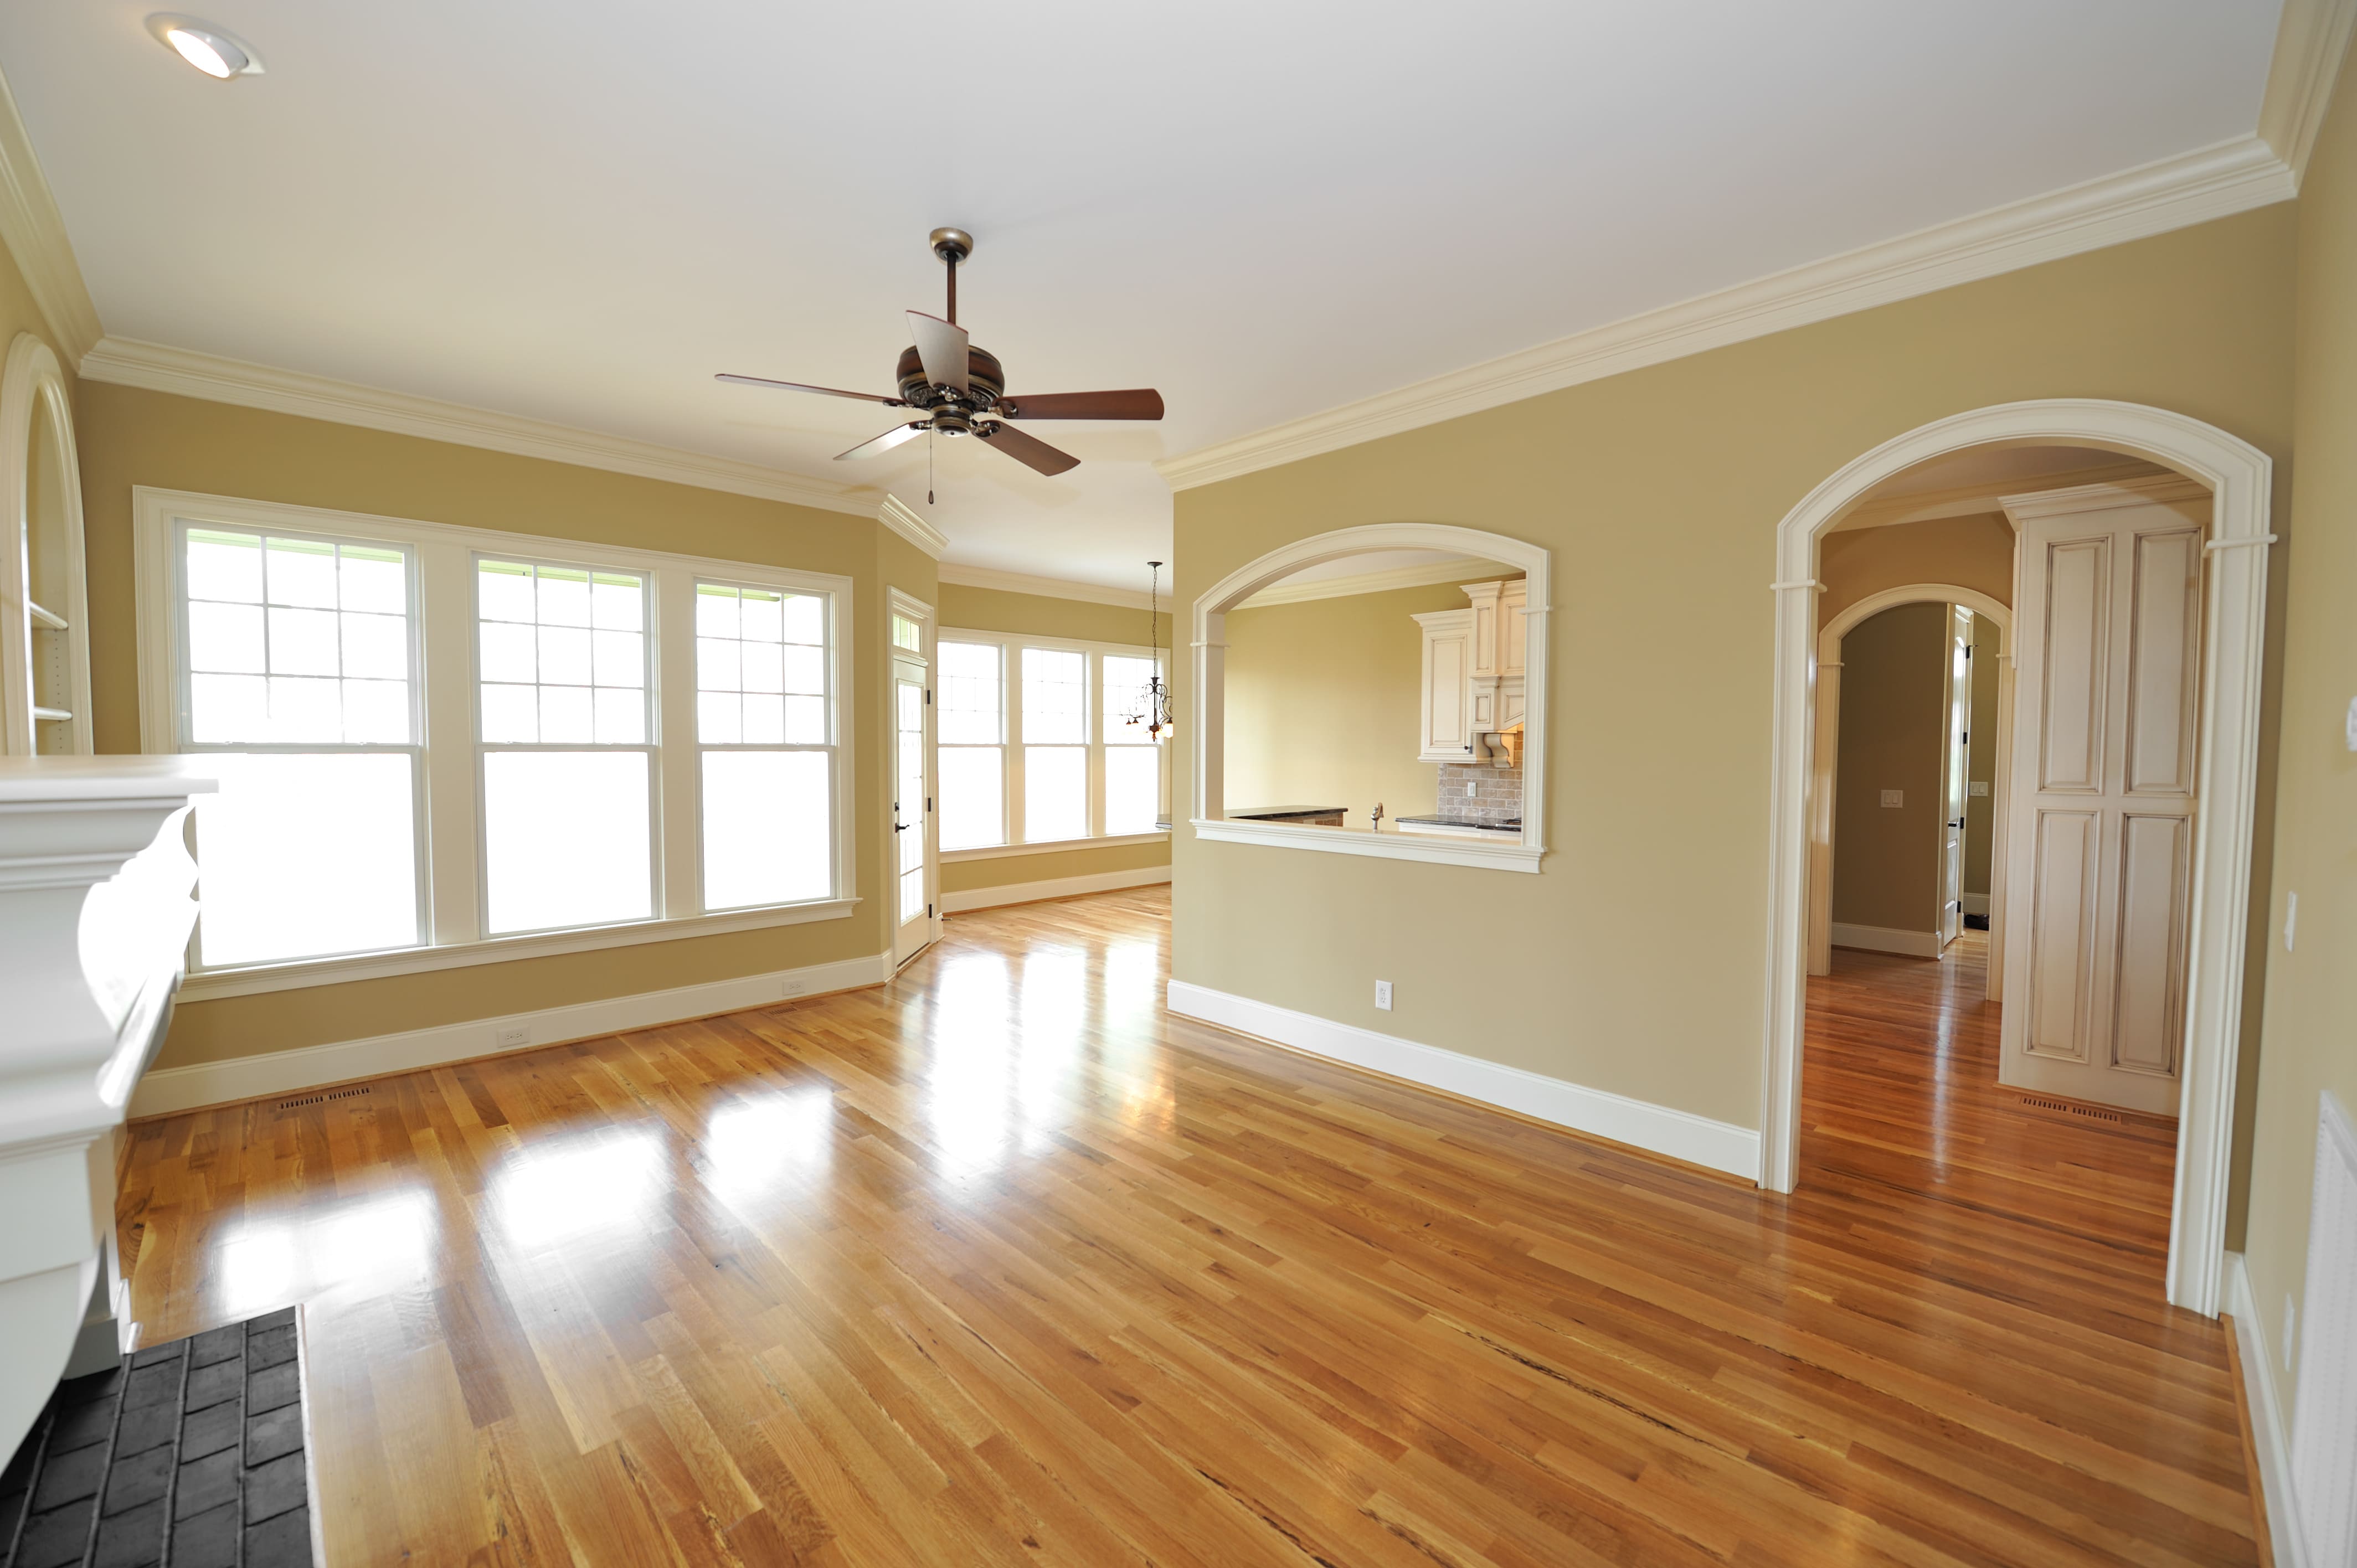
(1473, 672)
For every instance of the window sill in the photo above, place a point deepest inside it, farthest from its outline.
(1432, 849)
(1052, 846)
(206, 984)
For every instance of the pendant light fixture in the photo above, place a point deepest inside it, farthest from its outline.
(1152, 708)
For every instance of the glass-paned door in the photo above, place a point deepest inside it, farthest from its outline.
(912, 810)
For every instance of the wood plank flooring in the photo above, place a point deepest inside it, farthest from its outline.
(1001, 1263)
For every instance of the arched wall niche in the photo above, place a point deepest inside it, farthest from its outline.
(43, 601)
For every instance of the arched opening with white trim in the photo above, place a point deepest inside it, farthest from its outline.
(2238, 477)
(1825, 749)
(1209, 815)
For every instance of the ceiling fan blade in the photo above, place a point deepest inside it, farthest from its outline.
(804, 386)
(1028, 451)
(1138, 403)
(885, 442)
(942, 345)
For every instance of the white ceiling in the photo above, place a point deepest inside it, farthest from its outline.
(579, 212)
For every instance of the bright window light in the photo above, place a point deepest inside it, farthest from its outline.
(566, 838)
(1055, 792)
(765, 839)
(303, 856)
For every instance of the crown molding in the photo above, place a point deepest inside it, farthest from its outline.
(1053, 587)
(185, 372)
(1429, 574)
(35, 235)
(1970, 500)
(2311, 42)
(2193, 188)
(902, 518)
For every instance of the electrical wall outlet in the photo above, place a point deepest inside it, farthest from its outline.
(792, 986)
(1980, 786)
(1383, 995)
(514, 1035)
(1472, 789)
(1894, 797)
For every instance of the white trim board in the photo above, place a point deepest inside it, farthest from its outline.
(2173, 193)
(35, 233)
(904, 520)
(1886, 938)
(1658, 1129)
(1051, 587)
(974, 898)
(170, 1089)
(184, 372)
(1430, 575)
(2270, 1432)
(2311, 39)
(1051, 846)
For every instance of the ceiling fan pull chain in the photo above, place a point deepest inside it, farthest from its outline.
(929, 455)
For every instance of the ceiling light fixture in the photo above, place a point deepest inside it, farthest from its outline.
(204, 45)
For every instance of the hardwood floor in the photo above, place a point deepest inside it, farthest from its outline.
(1001, 1263)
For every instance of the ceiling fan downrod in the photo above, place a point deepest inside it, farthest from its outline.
(952, 246)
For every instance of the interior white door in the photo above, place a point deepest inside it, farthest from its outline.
(912, 810)
(2100, 830)
(1955, 755)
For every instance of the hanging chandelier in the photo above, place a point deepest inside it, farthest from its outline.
(1153, 709)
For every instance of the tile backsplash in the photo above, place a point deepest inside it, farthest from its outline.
(1497, 794)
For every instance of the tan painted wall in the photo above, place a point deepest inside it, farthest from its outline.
(1040, 615)
(2310, 1033)
(1980, 756)
(133, 437)
(1324, 703)
(1635, 957)
(1968, 551)
(1894, 687)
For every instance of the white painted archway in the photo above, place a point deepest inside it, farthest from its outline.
(1208, 700)
(2239, 477)
(1825, 749)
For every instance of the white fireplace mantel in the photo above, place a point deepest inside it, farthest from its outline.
(94, 921)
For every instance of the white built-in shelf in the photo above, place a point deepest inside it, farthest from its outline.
(48, 617)
(52, 715)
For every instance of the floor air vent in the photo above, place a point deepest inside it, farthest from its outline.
(2092, 1112)
(320, 1098)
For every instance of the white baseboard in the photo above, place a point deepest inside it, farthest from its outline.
(1887, 939)
(2269, 1433)
(1054, 888)
(1657, 1128)
(1973, 903)
(187, 1087)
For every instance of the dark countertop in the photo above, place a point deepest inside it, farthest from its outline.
(1265, 813)
(1514, 826)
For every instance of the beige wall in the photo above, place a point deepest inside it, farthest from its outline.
(1893, 701)
(1040, 615)
(1636, 954)
(1980, 756)
(1973, 553)
(2310, 1032)
(133, 437)
(1324, 702)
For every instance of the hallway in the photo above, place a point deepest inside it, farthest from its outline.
(1002, 1263)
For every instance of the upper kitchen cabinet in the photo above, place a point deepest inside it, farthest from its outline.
(1473, 671)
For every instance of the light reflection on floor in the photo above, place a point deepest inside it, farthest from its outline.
(563, 1189)
(368, 1247)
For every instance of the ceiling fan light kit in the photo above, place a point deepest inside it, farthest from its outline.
(961, 390)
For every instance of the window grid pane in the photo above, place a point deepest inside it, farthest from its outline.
(1055, 793)
(761, 667)
(561, 655)
(1055, 696)
(295, 641)
(973, 796)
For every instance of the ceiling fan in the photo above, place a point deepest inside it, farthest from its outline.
(961, 390)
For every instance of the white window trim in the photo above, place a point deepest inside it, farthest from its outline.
(445, 607)
(1010, 646)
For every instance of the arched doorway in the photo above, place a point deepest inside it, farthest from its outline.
(2238, 477)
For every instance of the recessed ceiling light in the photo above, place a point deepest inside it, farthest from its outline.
(204, 45)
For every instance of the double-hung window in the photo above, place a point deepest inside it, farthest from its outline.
(567, 753)
(297, 675)
(442, 745)
(1036, 746)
